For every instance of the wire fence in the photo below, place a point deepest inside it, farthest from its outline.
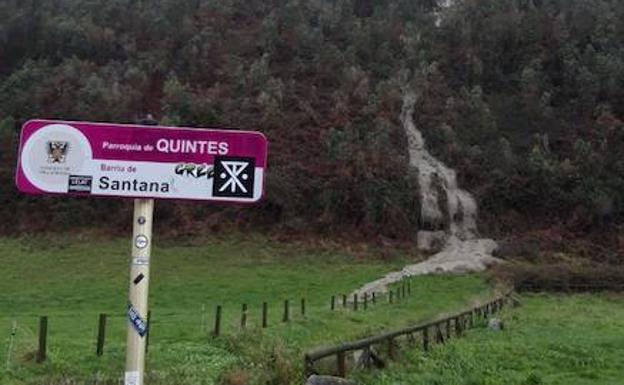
(31, 337)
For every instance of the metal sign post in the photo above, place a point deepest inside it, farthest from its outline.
(138, 292)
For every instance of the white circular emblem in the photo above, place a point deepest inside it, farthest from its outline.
(141, 241)
(52, 154)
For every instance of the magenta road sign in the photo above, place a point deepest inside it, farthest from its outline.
(105, 159)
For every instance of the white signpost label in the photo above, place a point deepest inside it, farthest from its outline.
(144, 163)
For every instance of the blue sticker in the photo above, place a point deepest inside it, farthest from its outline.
(137, 322)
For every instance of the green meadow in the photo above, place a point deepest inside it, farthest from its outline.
(72, 279)
(548, 340)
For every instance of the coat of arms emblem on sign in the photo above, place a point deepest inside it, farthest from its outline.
(57, 151)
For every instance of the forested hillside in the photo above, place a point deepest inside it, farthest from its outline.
(525, 98)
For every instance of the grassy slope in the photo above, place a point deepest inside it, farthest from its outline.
(72, 280)
(554, 340)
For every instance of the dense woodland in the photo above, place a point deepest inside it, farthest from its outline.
(525, 98)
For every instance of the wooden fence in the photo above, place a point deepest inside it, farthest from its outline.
(396, 295)
(440, 329)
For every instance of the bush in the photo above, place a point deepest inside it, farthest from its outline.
(557, 277)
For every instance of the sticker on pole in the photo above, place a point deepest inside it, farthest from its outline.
(102, 159)
(132, 378)
(138, 323)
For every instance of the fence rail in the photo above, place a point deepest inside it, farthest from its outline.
(461, 321)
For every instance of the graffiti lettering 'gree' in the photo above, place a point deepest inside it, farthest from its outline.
(105, 183)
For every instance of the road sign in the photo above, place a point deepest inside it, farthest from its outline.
(134, 161)
(138, 161)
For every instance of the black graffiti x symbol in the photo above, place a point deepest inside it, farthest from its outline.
(234, 170)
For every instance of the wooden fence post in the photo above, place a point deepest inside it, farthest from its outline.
(366, 357)
(265, 311)
(448, 328)
(285, 318)
(43, 339)
(217, 324)
(101, 336)
(365, 301)
(333, 303)
(439, 335)
(308, 365)
(355, 302)
(244, 316)
(303, 307)
(390, 296)
(390, 343)
(149, 330)
(344, 300)
(374, 298)
(341, 363)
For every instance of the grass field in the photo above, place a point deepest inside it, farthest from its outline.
(549, 340)
(72, 279)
